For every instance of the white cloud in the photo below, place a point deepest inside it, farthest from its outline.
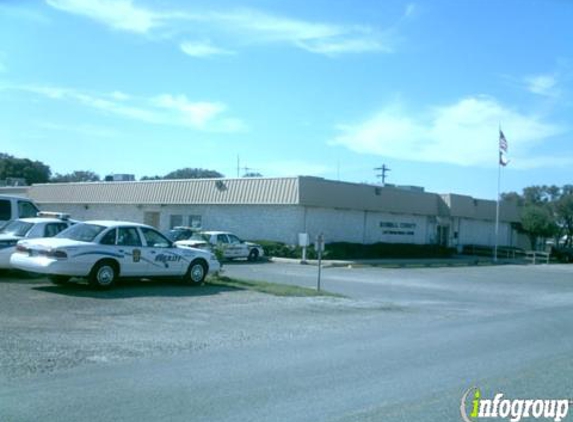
(120, 96)
(165, 109)
(410, 9)
(464, 133)
(203, 49)
(117, 14)
(236, 27)
(545, 85)
(196, 113)
(315, 37)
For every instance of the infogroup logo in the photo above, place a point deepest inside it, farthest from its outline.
(475, 408)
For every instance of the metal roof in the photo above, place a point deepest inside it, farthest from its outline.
(196, 191)
(303, 190)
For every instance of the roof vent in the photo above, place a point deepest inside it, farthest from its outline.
(220, 185)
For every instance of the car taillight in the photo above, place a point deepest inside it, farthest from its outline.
(22, 249)
(58, 254)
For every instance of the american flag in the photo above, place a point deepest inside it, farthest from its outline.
(502, 149)
(502, 142)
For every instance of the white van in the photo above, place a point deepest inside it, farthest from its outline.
(13, 207)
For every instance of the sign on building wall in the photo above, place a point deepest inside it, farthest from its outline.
(398, 228)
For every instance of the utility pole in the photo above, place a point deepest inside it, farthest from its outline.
(382, 175)
(238, 166)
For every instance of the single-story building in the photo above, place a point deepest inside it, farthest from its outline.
(280, 208)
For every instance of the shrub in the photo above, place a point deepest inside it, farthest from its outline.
(347, 250)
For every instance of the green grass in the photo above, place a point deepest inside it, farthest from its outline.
(275, 289)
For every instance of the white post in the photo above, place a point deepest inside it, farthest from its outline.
(319, 249)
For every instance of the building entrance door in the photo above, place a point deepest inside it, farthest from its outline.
(443, 235)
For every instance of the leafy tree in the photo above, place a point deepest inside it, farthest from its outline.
(564, 214)
(193, 173)
(541, 194)
(538, 222)
(513, 197)
(76, 176)
(252, 174)
(151, 178)
(31, 171)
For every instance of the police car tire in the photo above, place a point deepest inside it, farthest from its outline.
(196, 273)
(59, 279)
(103, 275)
(253, 255)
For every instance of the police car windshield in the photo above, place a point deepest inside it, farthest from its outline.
(17, 228)
(82, 232)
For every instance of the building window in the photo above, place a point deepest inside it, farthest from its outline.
(195, 221)
(175, 220)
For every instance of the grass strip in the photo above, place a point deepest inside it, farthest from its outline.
(275, 289)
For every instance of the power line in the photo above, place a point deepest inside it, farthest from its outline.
(382, 175)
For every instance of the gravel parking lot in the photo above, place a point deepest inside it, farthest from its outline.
(47, 328)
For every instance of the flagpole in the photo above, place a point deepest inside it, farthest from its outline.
(497, 210)
(495, 243)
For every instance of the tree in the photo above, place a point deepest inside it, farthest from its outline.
(193, 173)
(76, 176)
(512, 197)
(31, 171)
(538, 222)
(551, 204)
(564, 214)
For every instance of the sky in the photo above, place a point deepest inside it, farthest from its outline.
(326, 88)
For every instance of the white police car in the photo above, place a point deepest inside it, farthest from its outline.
(102, 251)
(47, 224)
(230, 245)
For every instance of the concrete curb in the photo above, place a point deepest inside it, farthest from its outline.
(401, 263)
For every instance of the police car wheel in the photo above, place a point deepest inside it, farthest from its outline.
(103, 275)
(196, 273)
(253, 255)
(59, 279)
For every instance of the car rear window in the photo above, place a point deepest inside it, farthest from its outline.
(82, 232)
(17, 228)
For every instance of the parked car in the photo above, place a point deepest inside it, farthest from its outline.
(103, 251)
(230, 245)
(181, 233)
(47, 224)
(14, 207)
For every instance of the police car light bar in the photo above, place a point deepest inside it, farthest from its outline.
(51, 214)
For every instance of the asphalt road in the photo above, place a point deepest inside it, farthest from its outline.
(403, 346)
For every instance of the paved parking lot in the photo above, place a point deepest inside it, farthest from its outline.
(402, 346)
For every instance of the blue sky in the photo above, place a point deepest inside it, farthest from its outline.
(326, 88)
